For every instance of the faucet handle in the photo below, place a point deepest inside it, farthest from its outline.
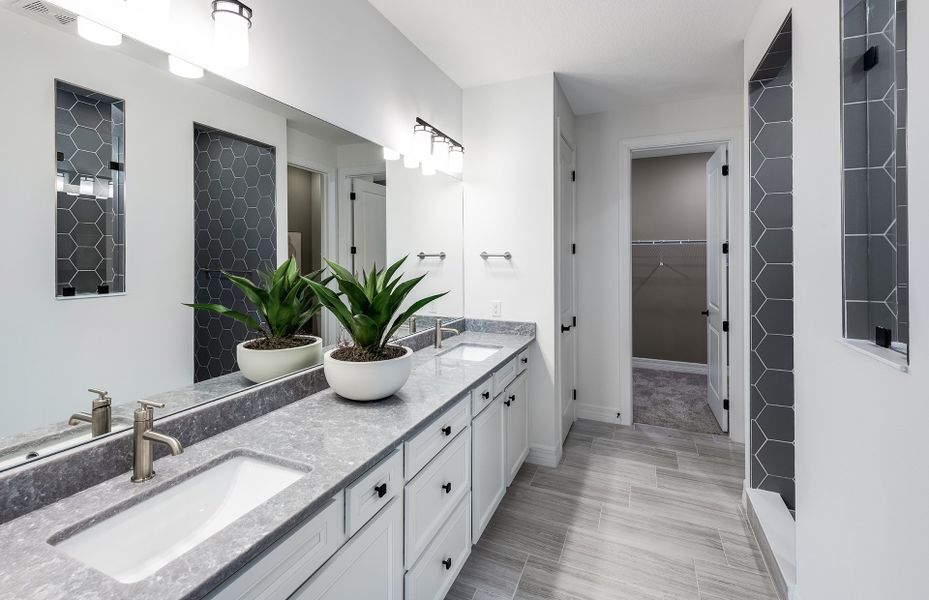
(149, 406)
(102, 398)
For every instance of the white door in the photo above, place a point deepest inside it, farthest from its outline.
(566, 201)
(369, 225)
(516, 415)
(488, 469)
(717, 287)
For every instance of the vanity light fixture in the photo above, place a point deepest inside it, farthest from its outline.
(231, 22)
(391, 154)
(184, 69)
(86, 187)
(410, 161)
(109, 190)
(60, 182)
(97, 33)
(438, 149)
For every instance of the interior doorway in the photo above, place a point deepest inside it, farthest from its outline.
(679, 287)
(306, 201)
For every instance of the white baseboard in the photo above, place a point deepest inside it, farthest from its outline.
(545, 456)
(593, 412)
(775, 531)
(669, 365)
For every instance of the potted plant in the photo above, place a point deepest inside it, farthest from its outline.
(285, 303)
(372, 368)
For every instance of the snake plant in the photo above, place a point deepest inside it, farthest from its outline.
(371, 303)
(285, 302)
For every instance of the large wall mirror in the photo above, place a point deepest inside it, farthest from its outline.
(135, 191)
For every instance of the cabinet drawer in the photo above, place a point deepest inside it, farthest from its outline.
(372, 491)
(285, 566)
(482, 395)
(504, 376)
(434, 494)
(434, 574)
(427, 443)
(523, 361)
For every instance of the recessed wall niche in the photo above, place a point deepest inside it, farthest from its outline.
(89, 184)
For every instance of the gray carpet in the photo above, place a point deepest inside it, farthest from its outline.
(670, 399)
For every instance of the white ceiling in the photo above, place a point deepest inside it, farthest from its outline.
(605, 52)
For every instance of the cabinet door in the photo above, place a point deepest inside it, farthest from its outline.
(488, 474)
(516, 416)
(369, 566)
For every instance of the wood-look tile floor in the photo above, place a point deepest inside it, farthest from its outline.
(630, 513)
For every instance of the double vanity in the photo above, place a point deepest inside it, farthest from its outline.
(322, 498)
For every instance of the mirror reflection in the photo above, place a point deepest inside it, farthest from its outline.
(171, 192)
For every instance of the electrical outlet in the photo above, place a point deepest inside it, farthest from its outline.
(496, 308)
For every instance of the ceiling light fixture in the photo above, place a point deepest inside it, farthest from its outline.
(231, 22)
(438, 149)
(391, 154)
(182, 68)
(97, 33)
(410, 161)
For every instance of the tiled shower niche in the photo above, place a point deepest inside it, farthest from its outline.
(89, 183)
(235, 232)
(874, 169)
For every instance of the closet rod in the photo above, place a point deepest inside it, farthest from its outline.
(664, 242)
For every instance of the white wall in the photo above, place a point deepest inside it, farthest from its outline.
(862, 493)
(133, 345)
(339, 60)
(509, 206)
(424, 215)
(599, 181)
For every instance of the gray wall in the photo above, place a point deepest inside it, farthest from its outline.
(304, 214)
(771, 204)
(669, 202)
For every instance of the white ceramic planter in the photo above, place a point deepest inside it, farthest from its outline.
(366, 381)
(262, 365)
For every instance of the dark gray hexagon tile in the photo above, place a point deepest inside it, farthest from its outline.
(776, 210)
(778, 458)
(776, 387)
(855, 135)
(777, 316)
(881, 134)
(777, 422)
(776, 175)
(854, 79)
(881, 204)
(856, 267)
(775, 104)
(855, 192)
(776, 352)
(776, 281)
(882, 268)
(775, 140)
(86, 114)
(776, 246)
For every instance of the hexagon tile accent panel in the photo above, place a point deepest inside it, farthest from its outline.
(89, 141)
(771, 370)
(235, 232)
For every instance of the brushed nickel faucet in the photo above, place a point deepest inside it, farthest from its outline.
(99, 417)
(439, 330)
(142, 438)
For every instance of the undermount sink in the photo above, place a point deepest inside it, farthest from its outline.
(137, 542)
(470, 352)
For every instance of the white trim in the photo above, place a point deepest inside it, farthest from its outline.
(738, 282)
(593, 412)
(668, 365)
(889, 357)
(546, 456)
(776, 533)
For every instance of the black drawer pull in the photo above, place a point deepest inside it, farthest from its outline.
(485, 395)
(447, 487)
(447, 430)
(507, 402)
(525, 360)
(381, 490)
(448, 563)
(513, 397)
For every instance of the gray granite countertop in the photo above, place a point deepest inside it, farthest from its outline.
(336, 438)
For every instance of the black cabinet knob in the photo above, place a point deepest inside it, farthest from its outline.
(448, 563)
(447, 430)
(705, 313)
(381, 490)
(507, 402)
(485, 395)
(447, 487)
(525, 360)
(565, 328)
(513, 397)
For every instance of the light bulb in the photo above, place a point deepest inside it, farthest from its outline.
(231, 22)
(440, 146)
(422, 142)
(391, 154)
(110, 190)
(97, 33)
(428, 167)
(456, 160)
(184, 69)
(60, 182)
(87, 186)
(410, 161)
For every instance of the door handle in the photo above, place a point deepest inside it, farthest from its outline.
(705, 313)
(565, 328)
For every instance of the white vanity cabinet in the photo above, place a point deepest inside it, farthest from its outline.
(488, 466)
(516, 420)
